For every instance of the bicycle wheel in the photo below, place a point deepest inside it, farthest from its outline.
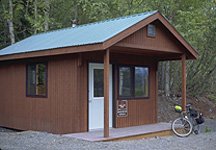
(182, 127)
(196, 127)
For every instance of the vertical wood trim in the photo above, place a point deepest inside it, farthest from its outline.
(113, 96)
(183, 60)
(106, 93)
(36, 79)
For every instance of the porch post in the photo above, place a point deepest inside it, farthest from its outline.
(106, 93)
(183, 61)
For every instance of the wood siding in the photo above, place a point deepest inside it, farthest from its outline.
(65, 109)
(164, 41)
(140, 111)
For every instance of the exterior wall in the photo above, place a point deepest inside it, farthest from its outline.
(63, 111)
(140, 111)
(164, 41)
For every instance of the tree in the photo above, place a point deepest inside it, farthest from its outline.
(10, 22)
(195, 20)
(46, 15)
(35, 13)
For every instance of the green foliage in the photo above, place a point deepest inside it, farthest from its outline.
(207, 129)
(212, 97)
(195, 20)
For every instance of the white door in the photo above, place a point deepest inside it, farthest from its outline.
(96, 98)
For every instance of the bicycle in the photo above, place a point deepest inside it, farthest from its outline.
(188, 122)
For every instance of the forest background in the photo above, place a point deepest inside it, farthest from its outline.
(195, 20)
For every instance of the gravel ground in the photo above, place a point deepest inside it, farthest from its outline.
(42, 140)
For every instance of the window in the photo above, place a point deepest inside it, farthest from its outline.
(133, 82)
(141, 82)
(151, 30)
(37, 79)
(125, 82)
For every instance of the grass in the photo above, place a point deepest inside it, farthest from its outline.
(212, 98)
(207, 129)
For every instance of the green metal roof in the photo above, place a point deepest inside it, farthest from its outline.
(92, 33)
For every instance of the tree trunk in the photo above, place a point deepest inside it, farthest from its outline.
(46, 13)
(167, 79)
(35, 15)
(162, 76)
(159, 75)
(10, 23)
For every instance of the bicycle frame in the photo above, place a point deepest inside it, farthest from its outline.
(187, 115)
(186, 123)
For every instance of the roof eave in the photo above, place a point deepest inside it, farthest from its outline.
(53, 52)
(177, 35)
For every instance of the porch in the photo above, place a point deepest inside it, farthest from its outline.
(127, 133)
(141, 131)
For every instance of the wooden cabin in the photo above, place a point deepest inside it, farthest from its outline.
(98, 75)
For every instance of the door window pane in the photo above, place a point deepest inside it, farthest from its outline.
(124, 81)
(141, 82)
(98, 83)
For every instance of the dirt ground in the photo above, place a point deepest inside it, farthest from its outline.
(25, 140)
(166, 111)
(33, 140)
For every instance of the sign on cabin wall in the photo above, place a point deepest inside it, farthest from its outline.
(122, 108)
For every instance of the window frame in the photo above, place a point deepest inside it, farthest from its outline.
(132, 80)
(46, 80)
(151, 27)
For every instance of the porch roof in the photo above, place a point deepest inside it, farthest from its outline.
(89, 37)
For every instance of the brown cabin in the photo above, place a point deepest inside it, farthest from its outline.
(98, 75)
